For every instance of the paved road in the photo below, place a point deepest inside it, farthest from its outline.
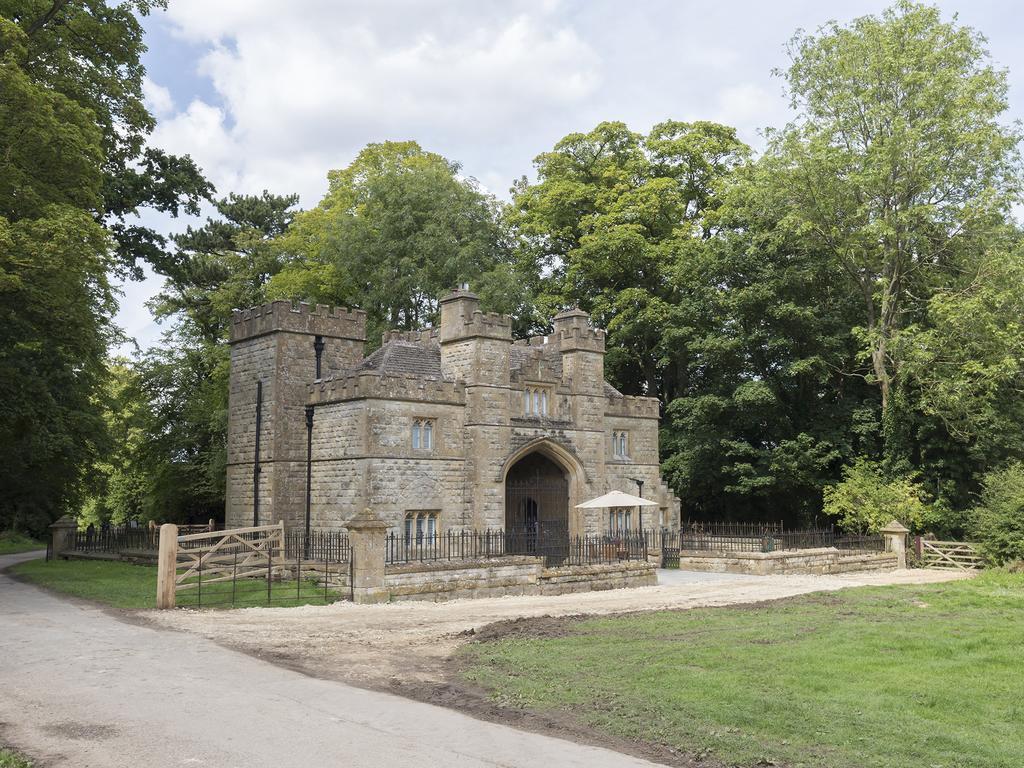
(81, 688)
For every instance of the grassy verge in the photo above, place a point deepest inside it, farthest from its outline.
(9, 759)
(12, 542)
(866, 678)
(123, 585)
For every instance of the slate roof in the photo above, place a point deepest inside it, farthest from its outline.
(398, 358)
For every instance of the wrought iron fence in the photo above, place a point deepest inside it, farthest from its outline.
(556, 546)
(114, 539)
(325, 546)
(758, 537)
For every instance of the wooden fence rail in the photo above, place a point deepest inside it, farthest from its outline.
(950, 555)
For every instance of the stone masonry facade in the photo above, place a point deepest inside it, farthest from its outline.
(431, 424)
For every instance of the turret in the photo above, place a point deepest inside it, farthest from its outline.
(474, 344)
(277, 351)
(582, 350)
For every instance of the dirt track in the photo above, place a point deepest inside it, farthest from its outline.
(401, 644)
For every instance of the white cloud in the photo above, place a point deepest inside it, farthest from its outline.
(157, 98)
(302, 92)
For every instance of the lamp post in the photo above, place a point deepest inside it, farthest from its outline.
(640, 510)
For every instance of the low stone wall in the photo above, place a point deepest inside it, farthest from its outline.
(823, 560)
(134, 556)
(518, 575)
(442, 580)
(591, 578)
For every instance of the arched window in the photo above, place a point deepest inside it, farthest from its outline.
(422, 434)
(535, 401)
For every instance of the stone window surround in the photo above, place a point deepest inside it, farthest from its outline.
(423, 432)
(420, 524)
(537, 400)
(620, 519)
(620, 444)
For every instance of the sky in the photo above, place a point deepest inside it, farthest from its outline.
(271, 95)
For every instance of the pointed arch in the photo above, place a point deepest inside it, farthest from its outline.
(565, 458)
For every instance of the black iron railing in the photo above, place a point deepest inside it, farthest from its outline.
(557, 547)
(761, 537)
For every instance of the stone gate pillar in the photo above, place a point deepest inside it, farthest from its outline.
(367, 533)
(62, 532)
(896, 541)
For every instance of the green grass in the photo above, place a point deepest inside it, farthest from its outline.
(9, 759)
(12, 542)
(929, 676)
(123, 585)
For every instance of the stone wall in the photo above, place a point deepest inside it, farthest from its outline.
(510, 576)
(814, 561)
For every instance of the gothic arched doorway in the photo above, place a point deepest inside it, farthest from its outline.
(536, 504)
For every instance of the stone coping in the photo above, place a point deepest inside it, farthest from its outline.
(458, 565)
(778, 554)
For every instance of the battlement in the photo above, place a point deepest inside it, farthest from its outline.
(368, 385)
(318, 320)
(461, 318)
(632, 407)
(577, 338)
(426, 337)
(573, 332)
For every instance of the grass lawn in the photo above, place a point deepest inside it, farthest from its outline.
(124, 585)
(929, 676)
(10, 759)
(12, 542)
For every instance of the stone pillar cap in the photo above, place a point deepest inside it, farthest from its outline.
(895, 526)
(64, 521)
(365, 520)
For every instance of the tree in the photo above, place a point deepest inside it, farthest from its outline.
(55, 301)
(612, 215)
(896, 165)
(171, 403)
(90, 52)
(398, 228)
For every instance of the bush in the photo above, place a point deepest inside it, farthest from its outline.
(997, 522)
(866, 501)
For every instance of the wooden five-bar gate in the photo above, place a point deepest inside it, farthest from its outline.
(948, 555)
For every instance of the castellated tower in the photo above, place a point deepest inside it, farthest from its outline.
(276, 351)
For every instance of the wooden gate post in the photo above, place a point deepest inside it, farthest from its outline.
(896, 541)
(167, 566)
(366, 533)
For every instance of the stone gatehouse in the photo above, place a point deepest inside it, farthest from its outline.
(446, 428)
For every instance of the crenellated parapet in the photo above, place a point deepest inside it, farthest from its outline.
(368, 385)
(426, 337)
(573, 332)
(314, 320)
(461, 318)
(633, 407)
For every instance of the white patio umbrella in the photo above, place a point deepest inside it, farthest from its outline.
(619, 499)
(616, 499)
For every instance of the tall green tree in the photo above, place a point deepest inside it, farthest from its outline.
(397, 228)
(897, 164)
(612, 216)
(89, 51)
(55, 301)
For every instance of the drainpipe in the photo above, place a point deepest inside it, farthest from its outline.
(256, 469)
(309, 472)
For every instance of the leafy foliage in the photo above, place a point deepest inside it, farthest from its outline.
(397, 229)
(866, 500)
(997, 522)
